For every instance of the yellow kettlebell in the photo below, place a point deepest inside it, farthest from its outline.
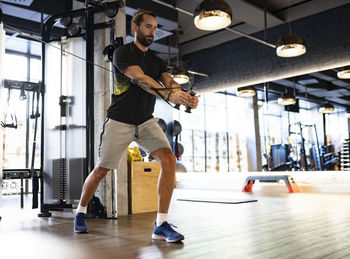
(134, 154)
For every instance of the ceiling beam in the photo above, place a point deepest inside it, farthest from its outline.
(275, 88)
(241, 62)
(29, 26)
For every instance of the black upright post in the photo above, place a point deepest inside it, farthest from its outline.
(41, 90)
(90, 146)
(324, 129)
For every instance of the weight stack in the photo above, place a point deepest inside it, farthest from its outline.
(345, 156)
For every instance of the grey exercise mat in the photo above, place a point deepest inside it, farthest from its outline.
(217, 200)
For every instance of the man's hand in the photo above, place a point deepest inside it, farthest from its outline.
(181, 97)
(193, 102)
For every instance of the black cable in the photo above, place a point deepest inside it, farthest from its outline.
(134, 81)
(146, 86)
(35, 181)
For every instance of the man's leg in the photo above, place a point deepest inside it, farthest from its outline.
(91, 183)
(162, 229)
(89, 188)
(166, 182)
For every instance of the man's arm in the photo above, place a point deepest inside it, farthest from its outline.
(177, 95)
(135, 72)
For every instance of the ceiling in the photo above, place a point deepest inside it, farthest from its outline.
(248, 17)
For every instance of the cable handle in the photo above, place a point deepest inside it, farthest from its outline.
(177, 106)
(188, 108)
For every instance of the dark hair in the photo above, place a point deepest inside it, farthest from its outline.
(138, 17)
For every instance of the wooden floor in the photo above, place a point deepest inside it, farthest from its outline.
(300, 225)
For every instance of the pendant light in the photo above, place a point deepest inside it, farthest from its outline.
(212, 15)
(286, 99)
(290, 45)
(247, 91)
(344, 73)
(326, 108)
(180, 75)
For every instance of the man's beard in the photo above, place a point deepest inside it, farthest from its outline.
(143, 39)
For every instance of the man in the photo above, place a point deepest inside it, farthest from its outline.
(129, 118)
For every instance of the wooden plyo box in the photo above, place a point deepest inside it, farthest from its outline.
(142, 186)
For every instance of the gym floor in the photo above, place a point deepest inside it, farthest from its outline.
(278, 225)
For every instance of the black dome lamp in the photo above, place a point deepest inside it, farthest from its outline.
(246, 91)
(326, 108)
(212, 15)
(290, 45)
(344, 73)
(286, 99)
(180, 75)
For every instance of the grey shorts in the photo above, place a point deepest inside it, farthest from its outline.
(116, 137)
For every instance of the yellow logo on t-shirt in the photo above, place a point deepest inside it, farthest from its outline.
(121, 85)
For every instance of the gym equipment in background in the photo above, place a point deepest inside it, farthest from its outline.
(175, 128)
(26, 173)
(289, 181)
(134, 154)
(330, 161)
(10, 118)
(279, 159)
(180, 167)
(345, 156)
(162, 125)
(65, 126)
(68, 156)
(306, 148)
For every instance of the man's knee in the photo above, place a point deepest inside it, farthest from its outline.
(164, 157)
(168, 160)
(100, 173)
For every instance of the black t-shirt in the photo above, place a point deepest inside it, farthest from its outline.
(130, 103)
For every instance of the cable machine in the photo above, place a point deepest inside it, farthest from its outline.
(25, 173)
(68, 116)
(313, 152)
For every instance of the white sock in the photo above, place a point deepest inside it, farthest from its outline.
(161, 217)
(81, 209)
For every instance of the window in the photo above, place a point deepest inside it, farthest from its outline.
(210, 134)
(16, 67)
(35, 70)
(18, 142)
(21, 64)
(337, 129)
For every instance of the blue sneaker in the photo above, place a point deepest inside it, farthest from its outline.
(166, 232)
(79, 223)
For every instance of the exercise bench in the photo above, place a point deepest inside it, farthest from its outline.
(290, 183)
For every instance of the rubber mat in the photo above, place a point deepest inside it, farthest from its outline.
(218, 200)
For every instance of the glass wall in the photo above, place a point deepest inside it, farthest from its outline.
(210, 134)
(336, 129)
(274, 130)
(215, 135)
(21, 65)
